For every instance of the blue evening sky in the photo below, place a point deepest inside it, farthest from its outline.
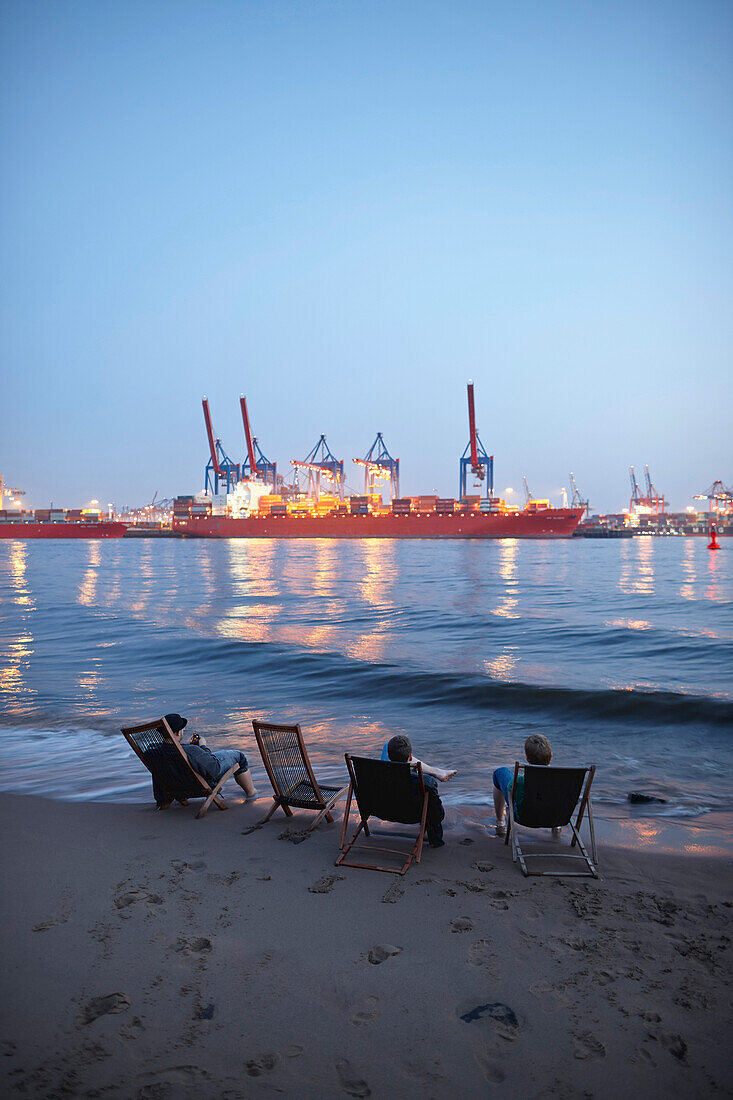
(346, 209)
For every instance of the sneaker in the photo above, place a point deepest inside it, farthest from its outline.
(436, 843)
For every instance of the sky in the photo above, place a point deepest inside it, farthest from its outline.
(345, 210)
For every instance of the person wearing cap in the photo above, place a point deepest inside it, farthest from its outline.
(213, 764)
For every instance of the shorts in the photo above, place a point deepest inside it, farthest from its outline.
(503, 779)
(228, 757)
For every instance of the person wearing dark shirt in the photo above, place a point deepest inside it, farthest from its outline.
(213, 764)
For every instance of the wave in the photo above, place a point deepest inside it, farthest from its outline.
(333, 676)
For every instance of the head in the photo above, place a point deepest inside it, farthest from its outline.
(537, 749)
(399, 749)
(176, 724)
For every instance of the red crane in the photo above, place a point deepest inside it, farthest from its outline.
(472, 430)
(210, 434)
(248, 436)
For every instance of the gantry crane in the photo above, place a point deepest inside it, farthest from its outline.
(577, 501)
(475, 458)
(255, 464)
(636, 497)
(380, 466)
(527, 494)
(320, 463)
(653, 500)
(718, 496)
(219, 468)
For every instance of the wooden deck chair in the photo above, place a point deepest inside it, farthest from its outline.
(286, 762)
(549, 801)
(384, 789)
(165, 758)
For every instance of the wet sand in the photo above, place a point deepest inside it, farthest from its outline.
(150, 955)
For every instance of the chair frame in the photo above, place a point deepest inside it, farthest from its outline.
(414, 853)
(280, 796)
(585, 804)
(209, 793)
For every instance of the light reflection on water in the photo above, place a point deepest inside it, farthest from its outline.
(104, 634)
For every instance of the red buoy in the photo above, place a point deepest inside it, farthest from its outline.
(713, 544)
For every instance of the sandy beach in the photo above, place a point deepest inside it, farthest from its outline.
(151, 955)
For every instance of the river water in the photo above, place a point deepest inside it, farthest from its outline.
(621, 652)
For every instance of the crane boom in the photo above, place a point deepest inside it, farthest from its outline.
(472, 428)
(210, 434)
(248, 436)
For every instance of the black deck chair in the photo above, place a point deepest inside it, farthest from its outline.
(286, 762)
(386, 790)
(549, 801)
(174, 778)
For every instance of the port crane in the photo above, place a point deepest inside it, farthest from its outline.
(636, 497)
(380, 466)
(475, 458)
(320, 463)
(718, 496)
(577, 501)
(653, 500)
(527, 494)
(255, 464)
(6, 492)
(220, 467)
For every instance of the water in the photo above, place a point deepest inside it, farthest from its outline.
(619, 651)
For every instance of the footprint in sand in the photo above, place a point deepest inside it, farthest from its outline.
(368, 1012)
(198, 946)
(490, 1066)
(350, 1082)
(461, 924)
(588, 1047)
(46, 924)
(102, 1006)
(480, 954)
(325, 884)
(393, 894)
(501, 1017)
(263, 1063)
(295, 836)
(381, 952)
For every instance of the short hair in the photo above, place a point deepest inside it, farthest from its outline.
(537, 749)
(399, 748)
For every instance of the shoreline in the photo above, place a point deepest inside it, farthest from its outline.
(152, 955)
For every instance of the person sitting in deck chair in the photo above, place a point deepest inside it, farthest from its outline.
(212, 764)
(538, 750)
(399, 750)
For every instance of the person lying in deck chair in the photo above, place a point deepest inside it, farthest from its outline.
(538, 750)
(399, 750)
(212, 764)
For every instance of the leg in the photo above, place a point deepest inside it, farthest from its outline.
(435, 814)
(502, 780)
(245, 781)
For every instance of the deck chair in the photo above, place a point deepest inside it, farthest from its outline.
(384, 789)
(286, 762)
(165, 758)
(550, 798)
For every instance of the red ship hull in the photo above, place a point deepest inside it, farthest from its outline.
(550, 523)
(34, 530)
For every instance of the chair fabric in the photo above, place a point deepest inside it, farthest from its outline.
(294, 784)
(550, 798)
(385, 790)
(174, 777)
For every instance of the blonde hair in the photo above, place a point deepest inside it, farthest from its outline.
(537, 749)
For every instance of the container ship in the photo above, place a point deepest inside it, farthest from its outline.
(250, 514)
(256, 503)
(52, 523)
